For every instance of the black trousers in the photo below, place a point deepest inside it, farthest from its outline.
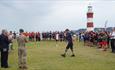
(0, 56)
(70, 45)
(4, 58)
(113, 45)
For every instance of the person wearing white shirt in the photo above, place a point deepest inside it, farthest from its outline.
(57, 36)
(113, 41)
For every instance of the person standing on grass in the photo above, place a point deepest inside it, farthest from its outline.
(4, 47)
(69, 43)
(22, 54)
(57, 38)
(113, 41)
(86, 39)
(104, 41)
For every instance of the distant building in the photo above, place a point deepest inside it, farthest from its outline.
(108, 29)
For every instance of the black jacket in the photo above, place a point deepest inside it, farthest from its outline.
(4, 42)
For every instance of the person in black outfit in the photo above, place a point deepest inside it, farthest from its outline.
(113, 41)
(69, 43)
(4, 44)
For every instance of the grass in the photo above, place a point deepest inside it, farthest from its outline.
(45, 55)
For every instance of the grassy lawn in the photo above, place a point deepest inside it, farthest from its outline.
(45, 55)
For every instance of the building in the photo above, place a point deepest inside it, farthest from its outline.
(90, 25)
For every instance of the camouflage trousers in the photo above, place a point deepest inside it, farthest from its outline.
(22, 57)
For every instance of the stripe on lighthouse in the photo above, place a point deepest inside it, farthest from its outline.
(89, 19)
(90, 29)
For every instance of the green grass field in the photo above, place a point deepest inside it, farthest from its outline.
(45, 55)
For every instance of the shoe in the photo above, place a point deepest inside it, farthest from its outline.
(104, 50)
(20, 67)
(112, 52)
(2, 66)
(25, 67)
(63, 55)
(73, 55)
(5, 67)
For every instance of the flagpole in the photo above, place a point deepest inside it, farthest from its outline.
(106, 24)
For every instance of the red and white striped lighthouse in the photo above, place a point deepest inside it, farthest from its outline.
(90, 26)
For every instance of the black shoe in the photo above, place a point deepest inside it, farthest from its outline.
(25, 67)
(63, 55)
(2, 66)
(112, 52)
(20, 67)
(5, 67)
(73, 55)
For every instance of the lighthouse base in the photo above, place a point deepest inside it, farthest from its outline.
(90, 29)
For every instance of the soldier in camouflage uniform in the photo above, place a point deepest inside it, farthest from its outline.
(22, 54)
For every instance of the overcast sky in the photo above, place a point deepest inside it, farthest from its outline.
(46, 15)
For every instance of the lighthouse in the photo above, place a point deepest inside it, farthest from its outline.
(90, 26)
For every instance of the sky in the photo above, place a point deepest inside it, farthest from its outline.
(54, 15)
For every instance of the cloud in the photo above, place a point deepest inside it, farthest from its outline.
(45, 15)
